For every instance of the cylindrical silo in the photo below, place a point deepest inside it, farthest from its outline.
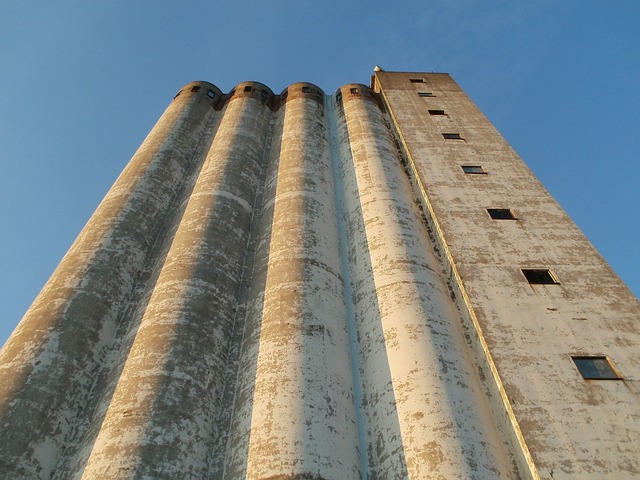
(294, 413)
(163, 416)
(424, 410)
(50, 364)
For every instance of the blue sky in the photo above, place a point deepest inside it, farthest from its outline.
(82, 83)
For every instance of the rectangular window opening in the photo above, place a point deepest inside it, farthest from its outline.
(474, 169)
(211, 93)
(426, 94)
(247, 88)
(595, 368)
(306, 89)
(539, 276)
(501, 214)
(354, 90)
(436, 112)
(452, 136)
(195, 89)
(416, 80)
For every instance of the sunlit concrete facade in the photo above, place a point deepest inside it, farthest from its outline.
(367, 285)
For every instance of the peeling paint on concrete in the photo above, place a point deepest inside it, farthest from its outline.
(416, 372)
(299, 286)
(523, 335)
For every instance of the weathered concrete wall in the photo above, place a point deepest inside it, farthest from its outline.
(567, 427)
(49, 365)
(423, 405)
(163, 412)
(298, 286)
(294, 414)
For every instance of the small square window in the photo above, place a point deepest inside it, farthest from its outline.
(306, 89)
(539, 276)
(501, 214)
(452, 136)
(595, 368)
(247, 88)
(211, 93)
(436, 112)
(355, 90)
(474, 169)
(195, 89)
(416, 80)
(426, 94)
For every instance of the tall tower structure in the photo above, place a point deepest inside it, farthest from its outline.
(367, 285)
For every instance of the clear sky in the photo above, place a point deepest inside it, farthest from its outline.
(82, 83)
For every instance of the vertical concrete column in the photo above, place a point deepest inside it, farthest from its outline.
(163, 416)
(49, 364)
(294, 415)
(423, 406)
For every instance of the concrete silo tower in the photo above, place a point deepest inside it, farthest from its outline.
(364, 285)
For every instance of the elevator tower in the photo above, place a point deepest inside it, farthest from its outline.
(364, 285)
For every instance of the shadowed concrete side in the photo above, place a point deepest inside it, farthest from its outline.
(49, 364)
(164, 411)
